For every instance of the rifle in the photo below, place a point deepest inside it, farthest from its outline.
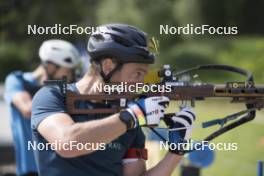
(238, 92)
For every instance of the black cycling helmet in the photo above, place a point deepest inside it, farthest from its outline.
(125, 43)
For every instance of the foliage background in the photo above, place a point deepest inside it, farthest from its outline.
(19, 50)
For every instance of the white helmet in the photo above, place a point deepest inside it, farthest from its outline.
(59, 52)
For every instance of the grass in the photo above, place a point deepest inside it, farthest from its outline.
(243, 161)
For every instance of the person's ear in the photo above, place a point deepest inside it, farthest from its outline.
(107, 65)
(51, 67)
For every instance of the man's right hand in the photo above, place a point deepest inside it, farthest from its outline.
(181, 125)
(144, 112)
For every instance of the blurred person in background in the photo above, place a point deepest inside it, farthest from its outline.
(58, 58)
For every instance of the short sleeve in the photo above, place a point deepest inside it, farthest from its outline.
(139, 141)
(137, 149)
(12, 86)
(47, 101)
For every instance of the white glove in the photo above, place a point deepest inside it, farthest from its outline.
(184, 119)
(147, 111)
(180, 128)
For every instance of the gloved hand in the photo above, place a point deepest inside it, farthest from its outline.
(144, 112)
(180, 128)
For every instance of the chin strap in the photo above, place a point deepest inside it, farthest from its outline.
(107, 77)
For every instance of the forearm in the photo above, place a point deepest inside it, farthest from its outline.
(25, 110)
(96, 131)
(23, 102)
(165, 167)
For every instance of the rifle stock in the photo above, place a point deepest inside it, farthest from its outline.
(178, 93)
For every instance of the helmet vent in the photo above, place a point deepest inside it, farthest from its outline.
(121, 41)
(98, 37)
(55, 48)
(119, 30)
(68, 60)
